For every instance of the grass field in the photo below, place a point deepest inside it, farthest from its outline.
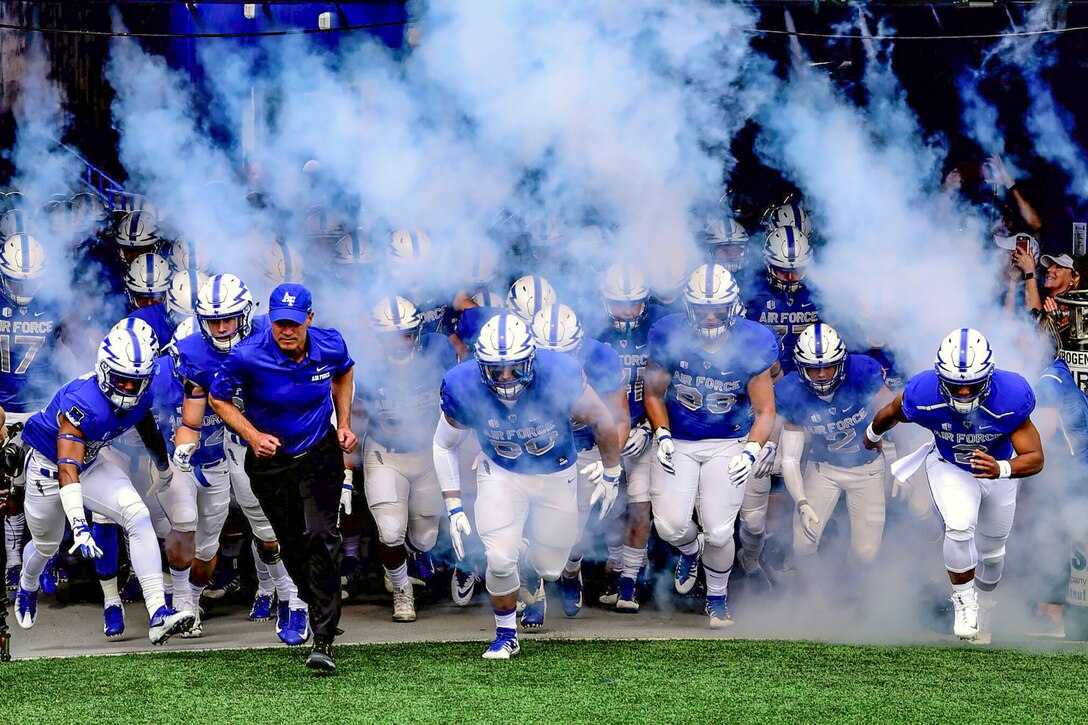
(665, 681)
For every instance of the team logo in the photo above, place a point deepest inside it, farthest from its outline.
(770, 304)
(815, 417)
(683, 364)
(288, 298)
(513, 417)
(623, 343)
(492, 423)
(946, 426)
(75, 415)
(8, 312)
(706, 365)
(832, 411)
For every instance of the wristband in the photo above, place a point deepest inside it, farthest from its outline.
(453, 506)
(871, 436)
(802, 502)
(349, 478)
(70, 437)
(183, 424)
(71, 500)
(612, 473)
(752, 448)
(662, 433)
(1004, 469)
(71, 462)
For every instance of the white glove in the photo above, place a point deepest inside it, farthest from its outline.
(665, 449)
(458, 526)
(766, 460)
(809, 520)
(637, 440)
(901, 489)
(740, 466)
(183, 457)
(606, 483)
(346, 490)
(161, 478)
(82, 540)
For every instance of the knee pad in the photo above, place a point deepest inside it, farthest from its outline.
(753, 522)
(720, 536)
(501, 585)
(959, 554)
(959, 534)
(990, 548)
(866, 554)
(423, 531)
(132, 508)
(670, 532)
(268, 554)
(391, 518)
(501, 565)
(206, 550)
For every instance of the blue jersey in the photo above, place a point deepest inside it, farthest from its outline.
(199, 361)
(708, 395)
(402, 401)
(472, 320)
(785, 313)
(893, 376)
(436, 316)
(836, 428)
(633, 349)
(534, 435)
(1056, 388)
(28, 341)
(289, 399)
(1004, 409)
(160, 321)
(87, 408)
(169, 394)
(605, 373)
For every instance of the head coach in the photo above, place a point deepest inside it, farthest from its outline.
(291, 376)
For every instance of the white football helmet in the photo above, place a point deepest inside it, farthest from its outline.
(22, 262)
(15, 221)
(556, 327)
(819, 347)
(726, 242)
(148, 279)
(408, 246)
(505, 352)
(964, 360)
(355, 247)
(224, 297)
(713, 301)
(483, 265)
(181, 297)
(624, 292)
(282, 264)
(185, 328)
(547, 237)
(787, 254)
(137, 233)
(487, 298)
(790, 214)
(187, 254)
(126, 363)
(528, 295)
(396, 325)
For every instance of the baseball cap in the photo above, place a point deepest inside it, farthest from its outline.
(1009, 242)
(291, 302)
(1062, 260)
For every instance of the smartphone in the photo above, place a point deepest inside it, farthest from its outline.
(1023, 243)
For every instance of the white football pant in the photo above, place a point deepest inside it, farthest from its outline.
(198, 501)
(403, 495)
(864, 489)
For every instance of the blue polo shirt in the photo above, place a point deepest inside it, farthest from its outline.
(290, 400)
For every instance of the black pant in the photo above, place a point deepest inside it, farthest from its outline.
(301, 497)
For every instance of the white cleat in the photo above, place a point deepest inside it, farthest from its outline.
(196, 629)
(167, 622)
(404, 604)
(965, 606)
(505, 646)
(986, 604)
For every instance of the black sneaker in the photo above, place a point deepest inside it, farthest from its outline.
(320, 657)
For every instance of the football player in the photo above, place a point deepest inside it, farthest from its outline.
(224, 312)
(520, 403)
(984, 442)
(556, 327)
(65, 473)
(626, 295)
(710, 400)
(148, 283)
(829, 400)
(399, 393)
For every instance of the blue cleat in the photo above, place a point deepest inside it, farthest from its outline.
(261, 611)
(26, 607)
(627, 601)
(132, 591)
(167, 622)
(611, 593)
(114, 618)
(297, 631)
(570, 588)
(532, 617)
(504, 646)
(718, 612)
(687, 569)
(11, 577)
(48, 579)
(283, 619)
(421, 569)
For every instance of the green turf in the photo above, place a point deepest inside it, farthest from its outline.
(562, 682)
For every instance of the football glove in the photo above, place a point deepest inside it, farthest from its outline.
(82, 541)
(766, 460)
(809, 520)
(161, 478)
(740, 466)
(346, 490)
(637, 440)
(665, 449)
(459, 526)
(183, 457)
(606, 485)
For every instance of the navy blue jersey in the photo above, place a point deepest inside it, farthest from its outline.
(534, 435)
(1056, 388)
(472, 320)
(86, 407)
(605, 373)
(402, 401)
(157, 316)
(289, 399)
(634, 351)
(1004, 409)
(787, 314)
(708, 395)
(168, 392)
(894, 378)
(836, 428)
(28, 341)
(437, 316)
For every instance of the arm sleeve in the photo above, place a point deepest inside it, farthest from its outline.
(152, 437)
(791, 446)
(446, 458)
